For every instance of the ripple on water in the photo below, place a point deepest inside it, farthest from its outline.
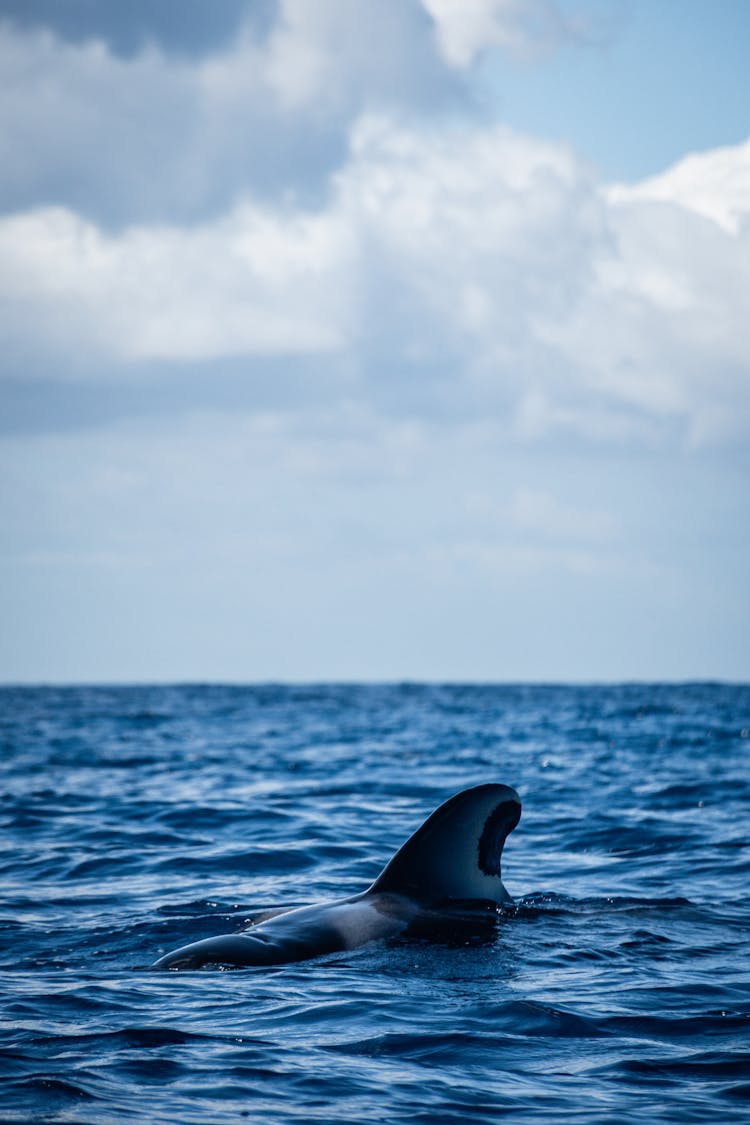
(137, 819)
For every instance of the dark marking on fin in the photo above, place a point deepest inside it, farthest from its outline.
(498, 824)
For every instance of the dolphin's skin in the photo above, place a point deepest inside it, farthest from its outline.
(450, 863)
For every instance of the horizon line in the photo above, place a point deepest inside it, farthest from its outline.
(400, 682)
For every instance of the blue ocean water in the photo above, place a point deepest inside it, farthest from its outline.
(136, 819)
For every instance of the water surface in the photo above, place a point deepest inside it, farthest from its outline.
(137, 819)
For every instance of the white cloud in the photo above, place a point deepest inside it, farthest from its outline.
(552, 298)
(251, 283)
(714, 184)
(466, 270)
(482, 230)
(466, 28)
(664, 328)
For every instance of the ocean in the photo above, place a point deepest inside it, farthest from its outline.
(616, 988)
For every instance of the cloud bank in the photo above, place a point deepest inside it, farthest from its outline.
(490, 267)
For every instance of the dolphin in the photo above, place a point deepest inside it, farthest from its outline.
(450, 867)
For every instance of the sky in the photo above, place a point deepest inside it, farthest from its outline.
(374, 340)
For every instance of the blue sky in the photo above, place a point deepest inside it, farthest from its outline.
(664, 78)
(374, 340)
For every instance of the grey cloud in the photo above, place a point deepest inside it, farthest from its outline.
(190, 27)
(150, 136)
(50, 405)
(123, 142)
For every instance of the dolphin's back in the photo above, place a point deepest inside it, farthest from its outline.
(456, 853)
(453, 857)
(295, 935)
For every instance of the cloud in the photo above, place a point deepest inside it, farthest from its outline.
(440, 266)
(467, 28)
(256, 99)
(715, 184)
(267, 113)
(201, 28)
(252, 283)
(451, 271)
(470, 234)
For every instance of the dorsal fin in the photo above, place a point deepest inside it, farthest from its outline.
(456, 853)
